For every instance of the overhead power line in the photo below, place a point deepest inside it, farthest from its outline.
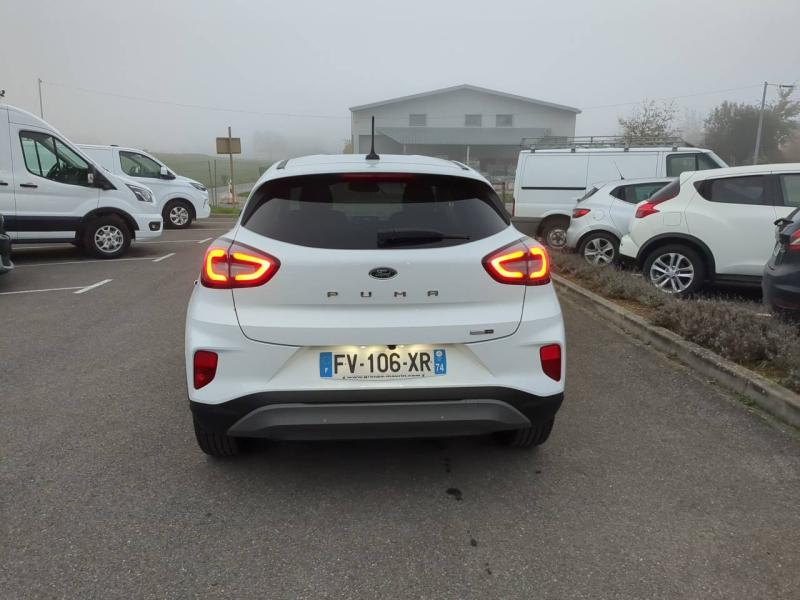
(188, 105)
(708, 93)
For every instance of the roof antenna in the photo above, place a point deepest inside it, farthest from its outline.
(621, 176)
(372, 155)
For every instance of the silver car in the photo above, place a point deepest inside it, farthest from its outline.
(603, 214)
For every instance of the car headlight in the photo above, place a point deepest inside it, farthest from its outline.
(198, 186)
(142, 194)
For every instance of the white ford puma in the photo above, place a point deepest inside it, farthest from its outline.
(383, 297)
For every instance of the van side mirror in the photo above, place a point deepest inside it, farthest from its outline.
(165, 174)
(90, 177)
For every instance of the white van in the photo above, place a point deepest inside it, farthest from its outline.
(549, 180)
(51, 192)
(180, 200)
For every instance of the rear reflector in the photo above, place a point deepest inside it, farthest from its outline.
(577, 213)
(237, 267)
(550, 356)
(205, 368)
(518, 264)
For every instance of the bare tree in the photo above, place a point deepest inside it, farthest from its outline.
(649, 120)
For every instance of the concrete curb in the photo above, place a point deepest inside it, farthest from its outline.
(773, 398)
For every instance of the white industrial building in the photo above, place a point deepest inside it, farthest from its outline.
(467, 123)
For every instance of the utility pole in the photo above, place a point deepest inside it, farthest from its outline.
(780, 86)
(210, 185)
(760, 124)
(41, 109)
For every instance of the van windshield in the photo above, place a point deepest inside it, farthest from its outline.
(361, 211)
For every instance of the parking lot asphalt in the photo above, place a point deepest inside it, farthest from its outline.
(654, 484)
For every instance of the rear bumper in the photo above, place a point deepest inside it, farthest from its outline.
(781, 290)
(398, 412)
(628, 249)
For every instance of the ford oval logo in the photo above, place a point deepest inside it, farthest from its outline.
(382, 273)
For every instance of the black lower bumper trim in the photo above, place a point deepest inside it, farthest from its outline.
(219, 418)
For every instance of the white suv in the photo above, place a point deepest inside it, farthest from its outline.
(711, 226)
(602, 215)
(373, 298)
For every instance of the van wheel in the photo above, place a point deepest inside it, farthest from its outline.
(599, 249)
(107, 237)
(535, 435)
(177, 214)
(554, 232)
(675, 269)
(216, 444)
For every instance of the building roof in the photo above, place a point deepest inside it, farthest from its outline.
(465, 86)
(460, 136)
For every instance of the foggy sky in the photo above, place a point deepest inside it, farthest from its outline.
(301, 64)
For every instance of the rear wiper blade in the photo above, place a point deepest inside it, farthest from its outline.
(398, 237)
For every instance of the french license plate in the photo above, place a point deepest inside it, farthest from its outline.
(382, 363)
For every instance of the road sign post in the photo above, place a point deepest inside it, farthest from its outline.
(230, 146)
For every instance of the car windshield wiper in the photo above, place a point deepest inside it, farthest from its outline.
(410, 237)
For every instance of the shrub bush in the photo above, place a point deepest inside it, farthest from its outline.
(734, 330)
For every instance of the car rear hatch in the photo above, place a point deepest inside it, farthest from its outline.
(386, 259)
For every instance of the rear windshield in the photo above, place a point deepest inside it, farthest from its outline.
(363, 211)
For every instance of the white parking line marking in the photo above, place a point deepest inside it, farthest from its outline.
(174, 242)
(93, 286)
(204, 241)
(80, 262)
(166, 256)
(37, 291)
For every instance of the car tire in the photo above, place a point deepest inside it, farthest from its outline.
(535, 435)
(177, 214)
(599, 249)
(679, 260)
(106, 237)
(554, 232)
(216, 444)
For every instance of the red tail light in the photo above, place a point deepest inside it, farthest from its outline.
(794, 242)
(518, 264)
(237, 267)
(205, 368)
(550, 356)
(647, 209)
(577, 213)
(668, 192)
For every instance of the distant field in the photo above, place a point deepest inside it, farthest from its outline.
(195, 166)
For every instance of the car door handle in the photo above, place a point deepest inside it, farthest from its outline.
(28, 185)
(3, 183)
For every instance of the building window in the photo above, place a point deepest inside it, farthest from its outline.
(473, 121)
(504, 121)
(417, 120)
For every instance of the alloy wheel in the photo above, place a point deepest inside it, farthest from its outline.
(672, 273)
(179, 215)
(599, 251)
(108, 239)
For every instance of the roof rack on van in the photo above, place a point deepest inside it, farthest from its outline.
(598, 141)
(462, 165)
